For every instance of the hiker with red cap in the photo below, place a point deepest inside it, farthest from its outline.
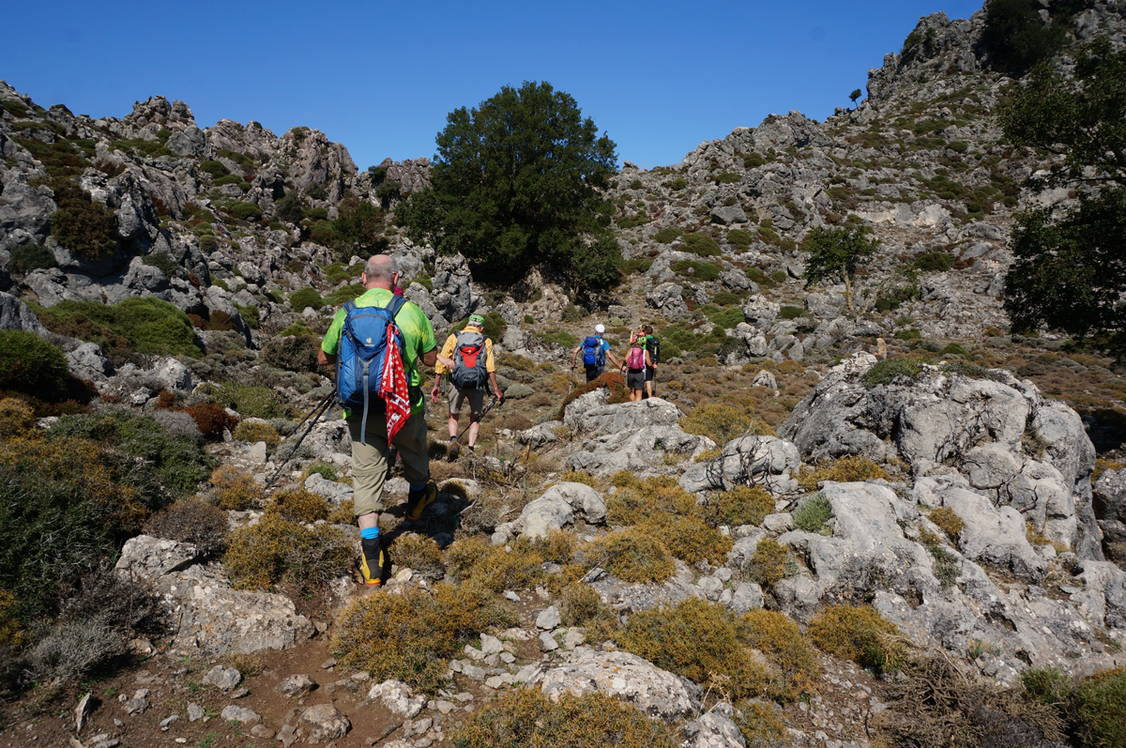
(474, 368)
(377, 342)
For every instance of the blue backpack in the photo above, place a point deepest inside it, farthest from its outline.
(363, 349)
(593, 353)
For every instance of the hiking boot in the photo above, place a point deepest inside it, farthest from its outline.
(417, 501)
(453, 451)
(372, 560)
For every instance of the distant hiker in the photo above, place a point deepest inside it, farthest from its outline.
(474, 368)
(653, 348)
(636, 364)
(376, 342)
(595, 351)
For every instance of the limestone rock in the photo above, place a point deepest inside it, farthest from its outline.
(715, 728)
(326, 723)
(398, 698)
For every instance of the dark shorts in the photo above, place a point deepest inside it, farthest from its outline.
(635, 380)
(592, 371)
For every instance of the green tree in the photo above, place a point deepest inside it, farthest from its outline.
(517, 182)
(1069, 269)
(836, 254)
(1016, 38)
(856, 93)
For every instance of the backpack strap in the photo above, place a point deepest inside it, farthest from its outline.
(395, 305)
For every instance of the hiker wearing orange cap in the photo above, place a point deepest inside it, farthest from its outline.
(474, 369)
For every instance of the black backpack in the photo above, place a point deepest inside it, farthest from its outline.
(653, 345)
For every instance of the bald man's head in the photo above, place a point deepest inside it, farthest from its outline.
(379, 272)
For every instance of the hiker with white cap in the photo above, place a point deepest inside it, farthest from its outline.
(474, 368)
(595, 350)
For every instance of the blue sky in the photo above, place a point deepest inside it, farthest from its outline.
(658, 77)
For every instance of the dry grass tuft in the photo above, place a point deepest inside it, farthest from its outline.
(844, 470)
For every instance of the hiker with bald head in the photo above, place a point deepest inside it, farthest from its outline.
(474, 368)
(595, 350)
(378, 343)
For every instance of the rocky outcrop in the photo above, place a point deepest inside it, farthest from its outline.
(558, 507)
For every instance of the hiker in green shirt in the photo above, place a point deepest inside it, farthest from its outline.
(371, 451)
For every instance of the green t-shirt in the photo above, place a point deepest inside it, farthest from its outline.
(418, 335)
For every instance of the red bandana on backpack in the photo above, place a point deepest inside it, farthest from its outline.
(393, 382)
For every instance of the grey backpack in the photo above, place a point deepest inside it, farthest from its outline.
(469, 357)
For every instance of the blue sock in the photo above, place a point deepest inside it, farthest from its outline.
(369, 533)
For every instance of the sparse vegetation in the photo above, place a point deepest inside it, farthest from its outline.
(281, 553)
(857, 633)
(767, 564)
(844, 470)
(740, 505)
(813, 514)
(634, 555)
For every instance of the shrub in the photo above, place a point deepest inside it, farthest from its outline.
(857, 633)
(634, 556)
(420, 554)
(344, 294)
(279, 553)
(813, 514)
(1047, 685)
(409, 636)
(257, 431)
(699, 640)
(291, 352)
(30, 256)
(697, 269)
(886, 372)
(31, 365)
(581, 604)
(85, 227)
(767, 564)
(159, 466)
(62, 506)
(323, 469)
(133, 325)
(16, 417)
(251, 400)
(212, 420)
(718, 420)
(948, 521)
(526, 717)
(740, 237)
(781, 641)
(688, 538)
(234, 488)
(305, 297)
(298, 505)
(638, 500)
(742, 505)
(701, 244)
(242, 211)
(933, 261)
(667, 235)
(1100, 702)
(908, 334)
(191, 521)
(495, 569)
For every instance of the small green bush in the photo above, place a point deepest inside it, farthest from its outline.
(908, 334)
(305, 297)
(886, 372)
(251, 400)
(30, 256)
(344, 294)
(667, 235)
(292, 352)
(697, 269)
(526, 717)
(701, 244)
(134, 325)
(1047, 685)
(790, 312)
(85, 227)
(31, 365)
(933, 261)
(410, 636)
(242, 211)
(813, 513)
(740, 237)
(1100, 703)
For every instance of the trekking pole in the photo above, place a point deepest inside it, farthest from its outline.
(495, 402)
(314, 415)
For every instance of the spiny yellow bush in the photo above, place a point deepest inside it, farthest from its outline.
(948, 521)
(256, 431)
(857, 633)
(742, 505)
(844, 470)
(688, 538)
(634, 556)
(781, 641)
(298, 505)
(16, 417)
(343, 513)
(578, 476)
(418, 553)
(558, 547)
(278, 552)
(234, 488)
(723, 421)
(699, 640)
(638, 500)
(496, 568)
(410, 635)
(760, 723)
(581, 603)
(527, 719)
(767, 565)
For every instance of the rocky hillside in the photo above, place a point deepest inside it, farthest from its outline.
(892, 525)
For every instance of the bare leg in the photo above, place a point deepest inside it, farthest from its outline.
(453, 425)
(474, 427)
(368, 521)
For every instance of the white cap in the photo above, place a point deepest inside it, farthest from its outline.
(600, 328)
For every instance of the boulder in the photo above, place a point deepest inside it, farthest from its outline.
(398, 698)
(87, 361)
(765, 460)
(656, 692)
(612, 419)
(329, 489)
(556, 508)
(715, 728)
(325, 722)
(16, 315)
(643, 450)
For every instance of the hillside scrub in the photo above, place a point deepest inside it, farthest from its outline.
(131, 326)
(526, 717)
(192, 521)
(844, 470)
(410, 636)
(31, 365)
(279, 553)
(783, 644)
(741, 505)
(634, 555)
(857, 633)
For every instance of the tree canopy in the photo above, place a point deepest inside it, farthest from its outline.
(517, 183)
(836, 254)
(1069, 271)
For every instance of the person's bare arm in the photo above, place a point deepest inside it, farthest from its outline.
(431, 357)
(325, 359)
(575, 355)
(496, 387)
(614, 360)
